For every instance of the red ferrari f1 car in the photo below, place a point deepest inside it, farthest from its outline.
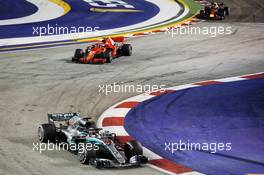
(103, 52)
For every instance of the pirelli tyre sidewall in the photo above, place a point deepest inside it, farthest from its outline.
(77, 55)
(46, 133)
(127, 49)
(108, 55)
(86, 155)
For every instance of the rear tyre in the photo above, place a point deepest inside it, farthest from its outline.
(77, 55)
(127, 49)
(226, 9)
(201, 14)
(46, 132)
(74, 59)
(207, 12)
(89, 124)
(221, 13)
(133, 148)
(108, 56)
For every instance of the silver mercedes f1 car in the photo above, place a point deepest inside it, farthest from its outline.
(93, 145)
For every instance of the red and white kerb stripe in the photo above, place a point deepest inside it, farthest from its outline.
(113, 120)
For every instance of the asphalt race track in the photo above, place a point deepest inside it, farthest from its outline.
(36, 82)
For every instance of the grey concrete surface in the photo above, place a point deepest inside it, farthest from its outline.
(34, 83)
(244, 10)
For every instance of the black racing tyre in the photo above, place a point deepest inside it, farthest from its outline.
(46, 132)
(207, 11)
(83, 157)
(221, 13)
(78, 53)
(89, 124)
(119, 52)
(74, 59)
(133, 148)
(99, 165)
(108, 55)
(143, 159)
(201, 14)
(226, 9)
(127, 49)
(86, 155)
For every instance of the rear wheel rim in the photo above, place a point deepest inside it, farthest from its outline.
(40, 133)
(82, 156)
(110, 56)
(130, 50)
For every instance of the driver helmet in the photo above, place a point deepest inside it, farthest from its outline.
(215, 4)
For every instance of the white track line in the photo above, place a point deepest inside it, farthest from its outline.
(168, 9)
(44, 6)
(140, 98)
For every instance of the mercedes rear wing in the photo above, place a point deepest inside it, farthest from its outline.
(61, 116)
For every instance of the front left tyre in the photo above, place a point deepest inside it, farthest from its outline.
(86, 155)
(226, 9)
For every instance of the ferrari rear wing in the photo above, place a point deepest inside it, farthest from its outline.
(61, 116)
(118, 39)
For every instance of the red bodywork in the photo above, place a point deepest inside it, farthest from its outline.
(97, 50)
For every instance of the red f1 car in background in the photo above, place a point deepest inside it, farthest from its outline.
(103, 52)
(216, 11)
